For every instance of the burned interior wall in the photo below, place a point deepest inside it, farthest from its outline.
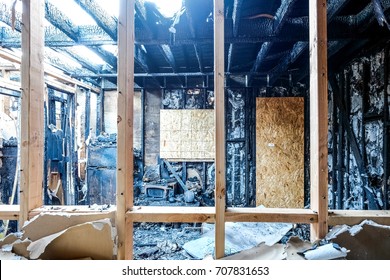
(100, 185)
(358, 134)
(110, 112)
(9, 130)
(153, 101)
(240, 156)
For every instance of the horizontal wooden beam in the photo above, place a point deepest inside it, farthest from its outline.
(15, 86)
(171, 214)
(207, 214)
(9, 212)
(354, 217)
(274, 215)
(74, 210)
(50, 71)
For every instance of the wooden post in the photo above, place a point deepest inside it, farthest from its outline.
(32, 119)
(318, 117)
(124, 179)
(219, 93)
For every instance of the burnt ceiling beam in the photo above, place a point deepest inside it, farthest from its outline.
(168, 55)
(140, 13)
(257, 31)
(289, 59)
(236, 16)
(80, 59)
(54, 59)
(363, 20)
(367, 16)
(106, 22)
(280, 19)
(300, 47)
(334, 7)
(55, 38)
(230, 58)
(191, 26)
(63, 23)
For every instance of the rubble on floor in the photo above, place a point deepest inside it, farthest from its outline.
(58, 236)
(164, 241)
(62, 237)
(238, 237)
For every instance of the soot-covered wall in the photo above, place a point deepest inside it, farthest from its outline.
(358, 134)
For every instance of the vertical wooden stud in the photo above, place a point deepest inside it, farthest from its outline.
(125, 167)
(32, 117)
(318, 116)
(220, 157)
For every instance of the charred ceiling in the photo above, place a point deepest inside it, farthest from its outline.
(266, 41)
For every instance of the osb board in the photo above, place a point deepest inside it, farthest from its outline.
(280, 152)
(187, 135)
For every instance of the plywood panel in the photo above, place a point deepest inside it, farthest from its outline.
(280, 152)
(187, 135)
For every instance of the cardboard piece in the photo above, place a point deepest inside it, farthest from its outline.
(366, 241)
(9, 239)
(46, 224)
(261, 252)
(19, 247)
(88, 240)
(326, 252)
(238, 237)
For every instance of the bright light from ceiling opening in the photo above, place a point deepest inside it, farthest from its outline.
(167, 7)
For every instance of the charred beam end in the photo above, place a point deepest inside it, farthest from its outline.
(61, 21)
(199, 57)
(140, 13)
(280, 18)
(296, 51)
(230, 58)
(167, 53)
(106, 56)
(83, 61)
(236, 16)
(193, 34)
(190, 19)
(5, 16)
(334, 7)
(103, 20)
(282, 13)
(366, 16)
(141, 58)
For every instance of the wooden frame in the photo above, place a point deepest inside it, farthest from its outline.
(319, 216)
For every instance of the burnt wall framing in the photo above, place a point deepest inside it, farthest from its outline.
(359, 133)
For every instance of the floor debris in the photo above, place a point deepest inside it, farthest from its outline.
(326, 252)
(261, 252)
(238, 237)
(62, 237)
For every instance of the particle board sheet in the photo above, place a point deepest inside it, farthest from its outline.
(280, 152)
(187, 135)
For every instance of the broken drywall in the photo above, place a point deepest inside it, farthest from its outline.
(366, 241)
(328, 251)
(61, 236)
(362, 92)
(91, 239)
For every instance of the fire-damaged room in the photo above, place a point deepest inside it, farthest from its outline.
(194, 129)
